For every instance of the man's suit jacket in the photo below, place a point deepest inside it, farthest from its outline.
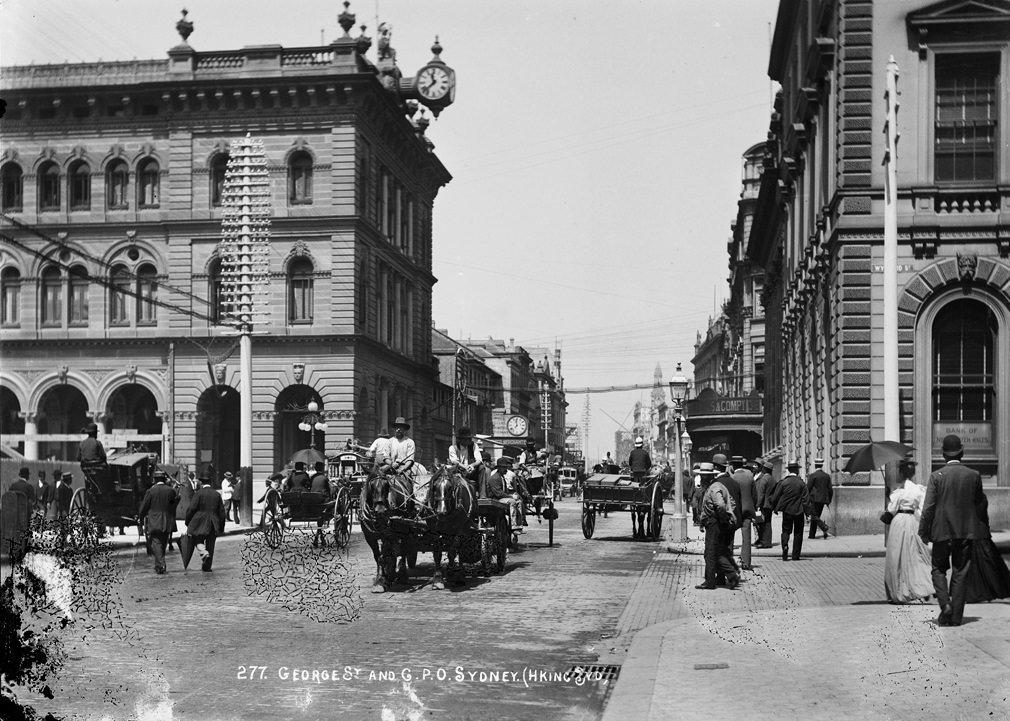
(26, 489)
(819, 487)
(205, 516)
(954, 504)
(735, 493)
(159, 506)
(790, 496)
(44, 494)
(748, 494)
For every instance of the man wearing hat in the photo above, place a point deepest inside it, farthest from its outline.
(299, 479)
(227, 491)
(763, 485)
(790, 498)
(401, 448)
(722, 474)
(820, 492)
(744, 478)
(499, 487)
(91, 453)
(158, 508)
(464, 453)
(205, 522)
(954, 505)
(639, 461)
(718, 519)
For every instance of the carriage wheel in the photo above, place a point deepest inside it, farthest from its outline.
(273, 523)
(656, 514)
(501, 547)
(342, 518)
(82, 528)
(588, 521)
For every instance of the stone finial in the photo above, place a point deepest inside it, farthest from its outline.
(346, 19)
(436, 50)
(184, 26)
(364, 42)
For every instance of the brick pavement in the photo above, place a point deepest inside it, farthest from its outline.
(752, 653)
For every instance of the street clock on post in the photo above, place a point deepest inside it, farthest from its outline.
(435, 84)
(517, 426)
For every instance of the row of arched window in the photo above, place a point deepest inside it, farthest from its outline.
(77, 184)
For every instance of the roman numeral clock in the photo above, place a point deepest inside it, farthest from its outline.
(434, 86)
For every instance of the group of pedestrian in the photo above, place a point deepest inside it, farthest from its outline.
(952, 514)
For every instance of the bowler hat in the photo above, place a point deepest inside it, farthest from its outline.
(737, 460)
(299, 465)
(91, 428)
(767, 464)
(160, 475)
(401, 422)
(719, 460)
(67, 476)
(463, 432)
(485, 456)
(504, 461)
(952, 445)
(276, 477)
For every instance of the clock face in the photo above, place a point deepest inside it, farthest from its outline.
(433, 82)
(516, 426)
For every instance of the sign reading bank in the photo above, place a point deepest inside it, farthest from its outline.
(974, 436)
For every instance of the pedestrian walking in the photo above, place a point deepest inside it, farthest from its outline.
(906, 561)
(205, 522)
(236, 499)
(44, 494)
(723, 474)
(744, 477)
(24, 486)
(227, 489)
(988, 577)
(763, 485)
(790, 498)
(157, 510)
(718, 518)
(954, 504)
(820, 491)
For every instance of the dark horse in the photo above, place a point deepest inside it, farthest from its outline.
(454, 504)
(382, 498)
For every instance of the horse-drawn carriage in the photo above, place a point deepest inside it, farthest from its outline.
(112, 494)
(348, 471)
(606, 492)
(542, 488)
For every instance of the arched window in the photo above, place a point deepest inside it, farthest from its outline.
(118, 293)
(148, 181)
(214, 291)
(964, 334)
(300, 291)
(147, 295)
(79, 186)
(300, 178)
(117, 179)
(13, 187)
(52, 297)
(10, 297)
(77, 314)
(218, 169)
(49, 187)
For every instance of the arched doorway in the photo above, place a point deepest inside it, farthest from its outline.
(131, 416)
(63, 410)
(11, 422)
(291, 409)
(218, 432)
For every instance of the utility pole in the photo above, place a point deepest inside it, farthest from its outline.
(891, 405)
(245, 276)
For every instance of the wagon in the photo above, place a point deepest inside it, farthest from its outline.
(607, 492)
(286, 510)
(347, 472)
(540, 486)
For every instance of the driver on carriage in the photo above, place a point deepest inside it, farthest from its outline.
(465, 455)
(91, 453)
(501, 486)
(299, 479)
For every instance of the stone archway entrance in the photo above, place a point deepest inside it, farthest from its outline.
(11, 422)
(63, 412)
(218, 432)
(291, 407)
(131, 418)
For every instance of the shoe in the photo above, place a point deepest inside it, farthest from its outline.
(796, 558)
(705, 587)
(733, 581)
(945, 615)
(785, 557)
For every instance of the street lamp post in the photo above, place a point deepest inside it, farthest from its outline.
(678, 393)
(312, 422)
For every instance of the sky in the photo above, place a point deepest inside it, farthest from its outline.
(595, 149)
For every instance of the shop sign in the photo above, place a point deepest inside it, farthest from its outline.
(974, 436)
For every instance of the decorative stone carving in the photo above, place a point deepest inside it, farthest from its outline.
(298, 372)
(131, 373)
(967, 265)
(219, 373)
(62, 373)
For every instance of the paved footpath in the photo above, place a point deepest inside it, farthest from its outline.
(813, 639)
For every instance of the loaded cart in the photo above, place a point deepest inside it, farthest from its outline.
(608, 492)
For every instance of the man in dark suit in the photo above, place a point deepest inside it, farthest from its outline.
(158, 507)
(205, 521)
(23, 486)
(298, 480)
(44, 494)
(722, 475)
(744, 477)
(954, 504)
(790, 498)
(763, 485)
(820, 491)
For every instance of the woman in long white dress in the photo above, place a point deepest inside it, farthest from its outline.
(907, 566)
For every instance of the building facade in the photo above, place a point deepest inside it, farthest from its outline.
(113, 177)
(818, 230)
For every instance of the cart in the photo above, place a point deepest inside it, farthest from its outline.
(286, 510)
(347, 471)
(606, 492)
(541, 488)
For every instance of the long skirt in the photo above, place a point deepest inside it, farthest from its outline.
(988, 576)
(907, 566)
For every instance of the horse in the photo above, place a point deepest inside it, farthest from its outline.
(454, 504)
(383, 497)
